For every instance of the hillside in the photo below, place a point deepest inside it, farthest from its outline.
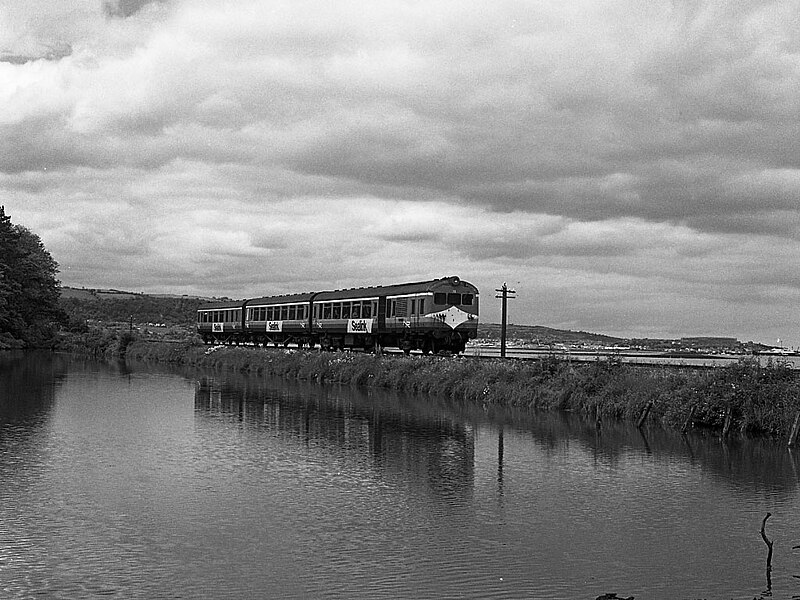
(115, 306)
(541, 335)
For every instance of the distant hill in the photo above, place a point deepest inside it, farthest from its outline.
(538, 334)
(109, 305)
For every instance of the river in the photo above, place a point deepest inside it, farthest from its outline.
(134, 481)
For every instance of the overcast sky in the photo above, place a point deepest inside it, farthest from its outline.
(629, 167)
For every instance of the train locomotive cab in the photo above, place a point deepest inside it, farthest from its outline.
(442, 317)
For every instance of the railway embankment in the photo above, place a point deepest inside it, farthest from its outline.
(742, 398)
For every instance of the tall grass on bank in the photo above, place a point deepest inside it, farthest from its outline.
(753, 398)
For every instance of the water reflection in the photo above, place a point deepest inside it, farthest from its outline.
(141, 483)
(400, 437)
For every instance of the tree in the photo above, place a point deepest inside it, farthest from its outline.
(29, 290)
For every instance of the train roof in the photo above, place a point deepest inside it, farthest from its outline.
(397, 289)
(343, 294)
(284, 299)
(221, 304)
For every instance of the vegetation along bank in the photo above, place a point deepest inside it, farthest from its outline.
(744, 397)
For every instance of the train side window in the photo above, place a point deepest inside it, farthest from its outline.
(337, 310)
(366, 309)
(413, 306)
(440, 298)
(466, 299)
(355, 311)
(291, 313)
(345, 310)
(375, 307)
(421, 306)
(326, 310)
(263, 314)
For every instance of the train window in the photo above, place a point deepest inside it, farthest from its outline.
(413, 305)
(355, 312)
(466, 299)
(345, 310)
(440, 298)
(326, 310)
(366, 309)
(337, 310)
(421, 306)
(291, 313)
(454, 299)
(262, 316)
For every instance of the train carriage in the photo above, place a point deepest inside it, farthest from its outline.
(221, 322)
(431, 316)
(278, 320)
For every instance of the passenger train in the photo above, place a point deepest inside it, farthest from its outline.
(431, 316)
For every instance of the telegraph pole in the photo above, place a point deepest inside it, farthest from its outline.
(505, 294)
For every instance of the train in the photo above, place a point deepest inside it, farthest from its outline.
(435, 316)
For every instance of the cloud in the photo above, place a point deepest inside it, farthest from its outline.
(644, 147)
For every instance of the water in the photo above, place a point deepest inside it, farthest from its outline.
(148, 484)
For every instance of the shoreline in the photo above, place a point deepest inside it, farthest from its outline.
(743, 398)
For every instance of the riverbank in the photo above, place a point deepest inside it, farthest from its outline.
(741, 398)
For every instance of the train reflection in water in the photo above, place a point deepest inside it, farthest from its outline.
(400, 439)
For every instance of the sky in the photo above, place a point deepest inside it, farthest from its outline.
(629, 168)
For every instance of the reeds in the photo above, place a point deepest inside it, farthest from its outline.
(753, 398)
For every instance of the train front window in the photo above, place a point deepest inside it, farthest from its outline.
(454, 299)
(440, 298)
(466, 299)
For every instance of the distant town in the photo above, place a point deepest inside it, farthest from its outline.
(545, 338)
